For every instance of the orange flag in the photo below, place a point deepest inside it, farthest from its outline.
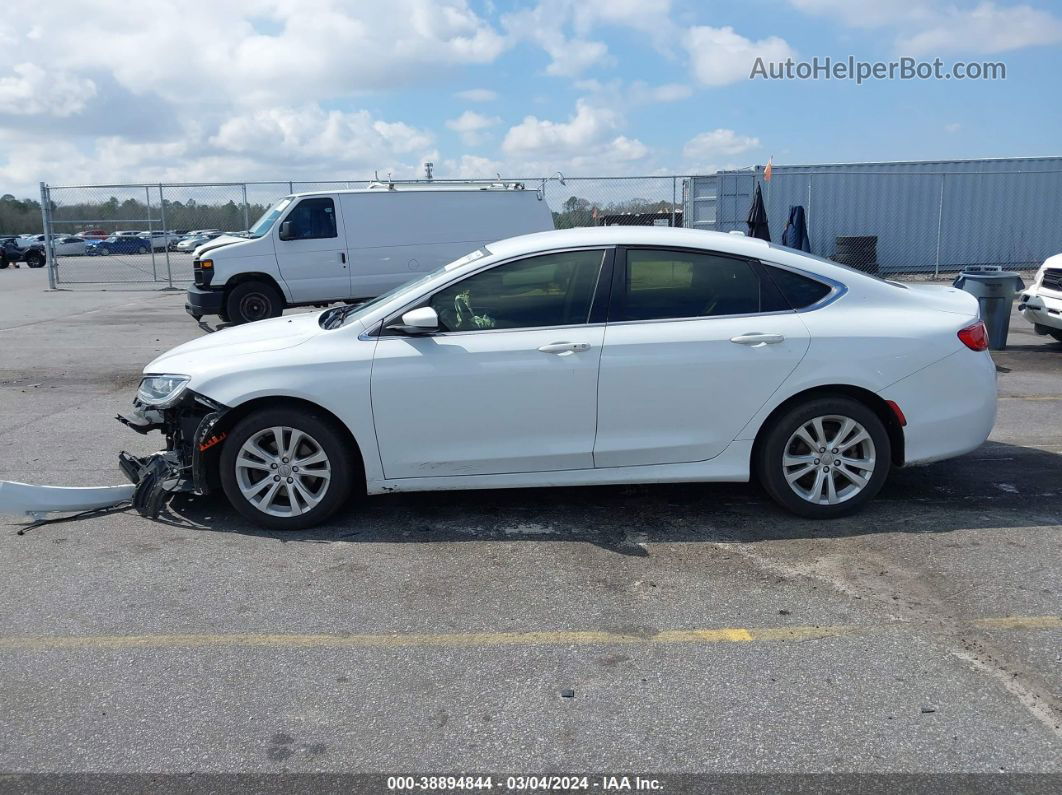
(768, 169)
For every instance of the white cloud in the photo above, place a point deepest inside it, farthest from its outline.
(929, 28)
(310, 133)
(470, 126)
(709, 147)
(987, 28)
(547, 26)
(477, 95)
(589, 140)
(720, 56)
(32, 90)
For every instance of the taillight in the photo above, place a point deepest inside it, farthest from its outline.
(975, 336)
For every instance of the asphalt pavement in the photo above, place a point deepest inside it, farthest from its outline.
(664, 629)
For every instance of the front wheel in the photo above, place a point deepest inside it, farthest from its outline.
(286, 468)
(824, 458)
(35, 259)
(250, 301)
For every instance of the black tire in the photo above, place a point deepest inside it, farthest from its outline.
(772, 450)
(35, 259)
(103, 251)
(142, 250)
(1056, 333)
(332, 440)
(250, 301)
(3, 263)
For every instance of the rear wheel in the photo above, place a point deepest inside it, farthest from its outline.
(250, 301)
(35, 259)
(824, 458)
(287, 468)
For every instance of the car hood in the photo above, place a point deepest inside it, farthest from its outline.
(218, 348)
(218, 242)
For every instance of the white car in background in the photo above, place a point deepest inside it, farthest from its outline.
(578, 357)
(1041, 304)
(69, 246)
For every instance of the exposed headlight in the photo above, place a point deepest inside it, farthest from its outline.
(161, 390)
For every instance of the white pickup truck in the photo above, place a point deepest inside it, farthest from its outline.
(322, 247)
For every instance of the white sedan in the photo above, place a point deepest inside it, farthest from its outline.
(578, 357)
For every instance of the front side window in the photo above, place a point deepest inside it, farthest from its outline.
(312, 219)
(664, 284)
(548, 290)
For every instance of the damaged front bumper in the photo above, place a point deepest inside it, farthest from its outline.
(189, 427)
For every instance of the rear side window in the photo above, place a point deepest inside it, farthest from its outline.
(312, 219)
(664, 284)
(799, 291)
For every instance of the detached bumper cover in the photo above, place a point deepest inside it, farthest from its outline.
(199, 302)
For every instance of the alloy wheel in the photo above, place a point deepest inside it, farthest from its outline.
(283, 471)
(829, 459)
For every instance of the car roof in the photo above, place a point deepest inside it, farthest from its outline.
(630, 236)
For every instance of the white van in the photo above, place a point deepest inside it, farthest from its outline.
(320, 247)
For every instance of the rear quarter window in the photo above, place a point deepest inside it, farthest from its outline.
(799, 291)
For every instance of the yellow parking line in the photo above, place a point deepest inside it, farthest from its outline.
(488, 639)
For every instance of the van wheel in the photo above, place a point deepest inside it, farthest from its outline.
(1056, 333)
(286, 468)
(250, 301)
(825, 457)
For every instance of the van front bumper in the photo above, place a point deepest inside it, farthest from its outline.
(1040, 309)
(199, 302)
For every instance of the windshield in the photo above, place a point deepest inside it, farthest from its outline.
(269, 217)
(333, 318)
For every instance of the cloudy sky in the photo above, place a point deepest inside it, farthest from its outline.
(164, 90)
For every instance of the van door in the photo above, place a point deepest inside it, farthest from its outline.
(312, 251)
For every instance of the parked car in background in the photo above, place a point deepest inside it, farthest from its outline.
(118, 244)
(1041, 304)
(69, 246)
(160, 240)
(190, 243)
(94, 234)
(320, 247)
(603, 355)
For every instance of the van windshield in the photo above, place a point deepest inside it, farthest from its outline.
(269, 217)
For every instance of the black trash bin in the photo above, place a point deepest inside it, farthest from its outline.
(995, 290)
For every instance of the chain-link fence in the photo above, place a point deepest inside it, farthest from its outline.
(892, 222)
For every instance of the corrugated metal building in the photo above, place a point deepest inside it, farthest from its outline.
(927, 215)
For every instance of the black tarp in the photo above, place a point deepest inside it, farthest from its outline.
(757, 220)
(795, 234)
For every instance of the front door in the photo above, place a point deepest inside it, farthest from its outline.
(696, 343)
(510, 382)
(312, 251)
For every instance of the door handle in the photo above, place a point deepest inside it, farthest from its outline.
(343, 257)
(565, 347)
(756, 339)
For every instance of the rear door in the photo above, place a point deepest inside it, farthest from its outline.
(311, 251)
(696, 343)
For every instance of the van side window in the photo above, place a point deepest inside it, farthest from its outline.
(312, 219)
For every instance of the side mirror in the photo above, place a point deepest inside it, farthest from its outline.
(285, 230)
(417, 322)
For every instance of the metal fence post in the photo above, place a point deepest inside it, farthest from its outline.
(151, 237)
(246, 209)
(162, 217)
(674, 198)
(49, 244)
(807, 215)
(291, 186)
(940, 223)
